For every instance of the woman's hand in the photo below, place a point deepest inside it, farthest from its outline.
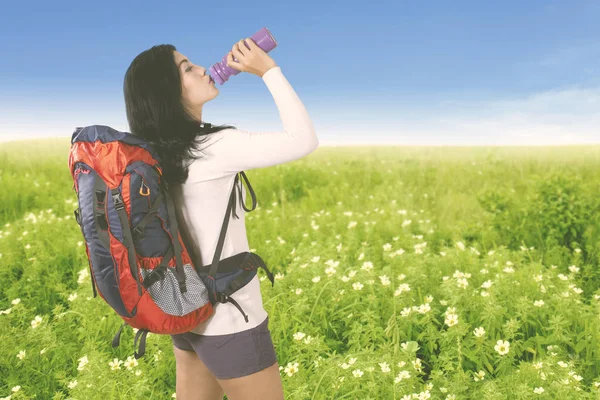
(250, 58)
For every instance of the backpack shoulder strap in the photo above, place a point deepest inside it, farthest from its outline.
(230, 209)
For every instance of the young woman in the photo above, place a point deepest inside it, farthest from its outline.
(164, 94)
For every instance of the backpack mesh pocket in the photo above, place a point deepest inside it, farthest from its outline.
(167, 296)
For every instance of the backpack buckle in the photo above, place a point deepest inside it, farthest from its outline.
(156, 274)
(160, 272)
(222, 297)
(118, 200)
(136, 232)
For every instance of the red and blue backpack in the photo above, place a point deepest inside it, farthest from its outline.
(138, 261)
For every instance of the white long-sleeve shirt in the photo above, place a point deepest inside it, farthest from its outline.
(202, 200)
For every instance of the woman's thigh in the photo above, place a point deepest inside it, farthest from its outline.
(262, 385)
(194, 381)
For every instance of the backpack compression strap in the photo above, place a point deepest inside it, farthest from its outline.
(127, 238)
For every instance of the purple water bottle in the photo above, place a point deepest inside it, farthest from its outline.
(220, 71)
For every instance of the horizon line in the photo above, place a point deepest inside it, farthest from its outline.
(326, 143)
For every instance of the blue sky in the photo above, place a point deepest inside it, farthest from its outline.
(380, 72)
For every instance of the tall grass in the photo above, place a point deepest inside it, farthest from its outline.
(402, 273)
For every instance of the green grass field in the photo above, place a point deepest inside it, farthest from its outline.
(402, 273)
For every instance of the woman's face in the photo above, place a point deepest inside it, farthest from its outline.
(197, 88)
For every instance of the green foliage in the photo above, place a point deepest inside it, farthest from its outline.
(462, 274)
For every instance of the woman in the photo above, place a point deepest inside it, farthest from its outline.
(164, 94)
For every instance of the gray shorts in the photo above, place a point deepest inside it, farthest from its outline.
(234, 355)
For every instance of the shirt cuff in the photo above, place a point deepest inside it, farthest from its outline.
(272, 71)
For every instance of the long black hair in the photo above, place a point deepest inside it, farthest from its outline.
(155, 113)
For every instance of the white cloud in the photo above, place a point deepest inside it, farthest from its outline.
(556, 117)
